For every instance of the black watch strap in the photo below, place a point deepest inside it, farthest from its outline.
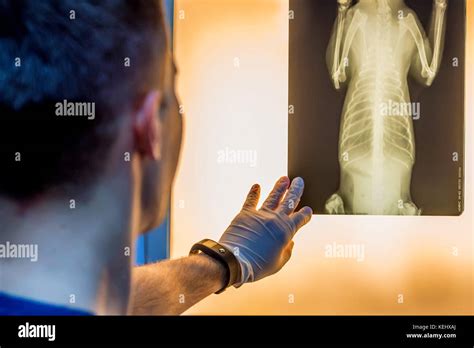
(224, 256)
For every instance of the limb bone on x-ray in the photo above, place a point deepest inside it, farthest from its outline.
(375, 44)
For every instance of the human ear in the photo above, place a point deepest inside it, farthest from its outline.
(148, 127)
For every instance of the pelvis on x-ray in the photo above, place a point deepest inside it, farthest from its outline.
(375, 47)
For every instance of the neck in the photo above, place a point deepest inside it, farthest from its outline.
(82, 260)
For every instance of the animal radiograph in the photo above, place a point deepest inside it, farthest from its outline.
(375, 44)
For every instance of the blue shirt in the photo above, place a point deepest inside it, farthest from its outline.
(12, 305)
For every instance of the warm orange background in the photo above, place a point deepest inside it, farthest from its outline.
(233, 82)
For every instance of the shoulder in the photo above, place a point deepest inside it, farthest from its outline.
(406, 12)
(357, 11)
(352, 10)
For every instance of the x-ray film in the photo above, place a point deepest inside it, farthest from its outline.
(376, 105)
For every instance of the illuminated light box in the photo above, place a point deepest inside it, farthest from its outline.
(235, 81)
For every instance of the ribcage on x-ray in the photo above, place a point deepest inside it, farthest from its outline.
(366, 129)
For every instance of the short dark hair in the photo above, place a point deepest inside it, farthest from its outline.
(106, 52)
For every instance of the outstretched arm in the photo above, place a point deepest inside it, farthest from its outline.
(261, 240)
(427, 61)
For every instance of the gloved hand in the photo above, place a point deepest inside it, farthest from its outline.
(262, 239)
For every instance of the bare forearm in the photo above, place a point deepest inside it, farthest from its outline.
(171, 287)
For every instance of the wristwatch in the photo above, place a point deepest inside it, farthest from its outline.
(222, 255)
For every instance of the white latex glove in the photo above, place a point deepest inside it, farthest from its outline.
(262, 239)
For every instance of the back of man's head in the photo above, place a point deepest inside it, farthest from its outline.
(68, 70)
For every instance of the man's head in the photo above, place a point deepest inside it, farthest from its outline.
(61, 60)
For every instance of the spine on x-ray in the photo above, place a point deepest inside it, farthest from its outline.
(379, 80)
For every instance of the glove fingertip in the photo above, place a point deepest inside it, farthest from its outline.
(307, 211)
